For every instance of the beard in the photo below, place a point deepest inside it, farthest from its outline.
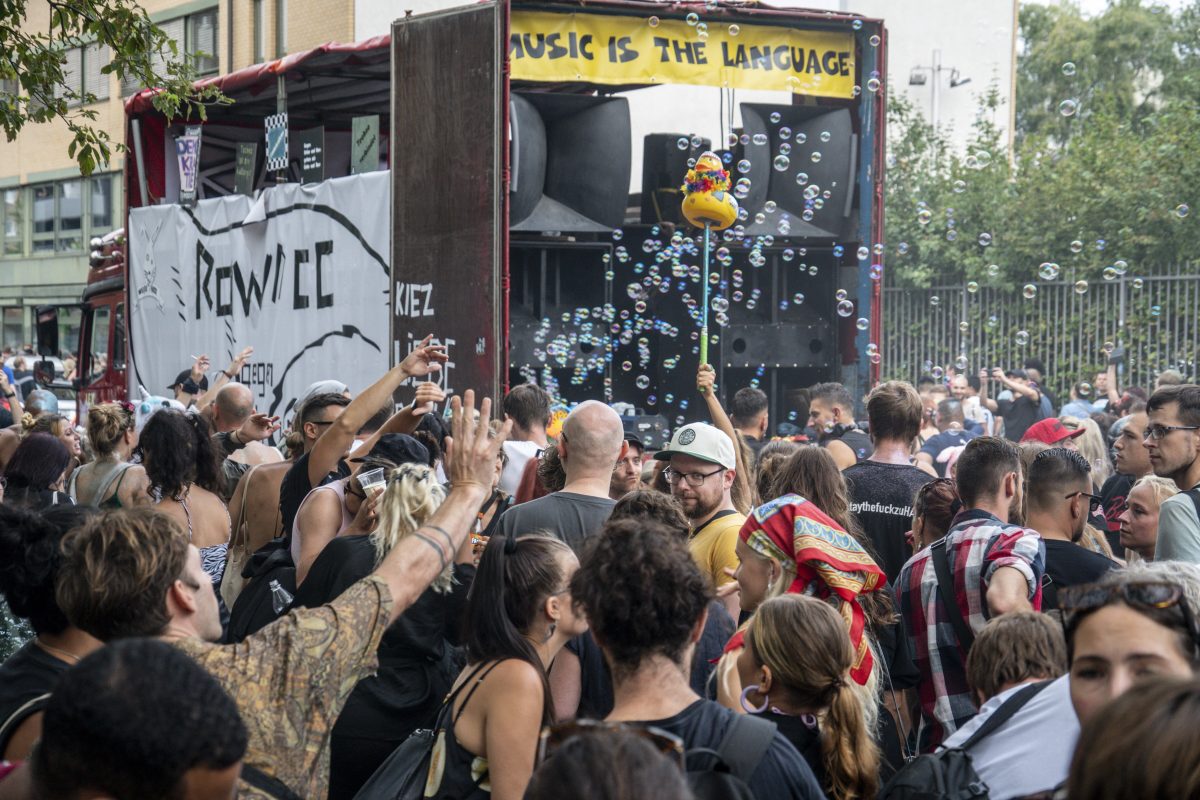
(697, 507)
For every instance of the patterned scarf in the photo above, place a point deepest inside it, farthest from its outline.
(828, 562)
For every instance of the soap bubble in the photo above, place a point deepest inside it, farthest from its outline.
(1029, 291)
(682, 143)
(862, 253)
(652, 22)
(993, 270)
(873, 84)
(825, 136)
(781, 163)
(1076, 246)
(1022, 338)
(816, 156)
(935, 301)
(692, 19)
(972, 287)
(798, 298)
(1156, 311)
(1081, 287)
(1068, 108)
(845, 308)
(1068, 68)
(960, 363)
(1109, 274)
(902, 248)
(1085, 388)
(960, 187)
(636, 291)
(876, 272)
(702, 30)
(992, 322)
(785, 133)
(743, 166)
(875, 358)
(759, 139)
(734, 30)
(801, 178)
(840, 294)
(838, 250)
(696, 142)
(1120, 266)
(1182, 210)
(720, 304)
(742, 188)
(924, 216)
(617, 234)
(985, 239)
(1138, 283)
(1048, 270)
(951, 235)
(801, 137)
(642, 381)
(857, 24)
(862, 323)
(626, 365)
(874, 40)
(937, 373)
(775, 117)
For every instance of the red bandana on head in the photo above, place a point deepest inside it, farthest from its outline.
(828, 563)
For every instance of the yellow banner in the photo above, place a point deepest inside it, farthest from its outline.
(617, 51)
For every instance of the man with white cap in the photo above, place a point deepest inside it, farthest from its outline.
(701, 472)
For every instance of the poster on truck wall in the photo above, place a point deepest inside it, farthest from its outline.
(302, 274)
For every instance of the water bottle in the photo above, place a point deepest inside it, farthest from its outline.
(281, 598)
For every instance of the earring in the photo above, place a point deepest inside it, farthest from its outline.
(746, 701)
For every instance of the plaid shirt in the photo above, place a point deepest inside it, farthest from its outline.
(976, 547)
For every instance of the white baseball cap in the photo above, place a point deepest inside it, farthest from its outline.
(703, 441)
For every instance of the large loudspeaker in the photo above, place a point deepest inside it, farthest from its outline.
(829, 133)
(570, 162)
(664, 166)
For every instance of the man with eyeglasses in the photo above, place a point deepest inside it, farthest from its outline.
(1173, 441)
(1059, 503)
(701, 473)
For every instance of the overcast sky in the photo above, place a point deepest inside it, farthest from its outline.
(1091, 7)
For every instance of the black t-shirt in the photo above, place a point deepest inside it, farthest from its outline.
(28, 674)
(1114, 493)
(935, 444)
(1019, 414)
(895, 651)
(596, 692)
(853, 438)
(881, 497)
(296, 486)
(414, 671)
(806, 740)
(1069, 564)
(570, 516)
(781, 775)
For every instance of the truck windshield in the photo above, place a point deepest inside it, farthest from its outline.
(97, 344)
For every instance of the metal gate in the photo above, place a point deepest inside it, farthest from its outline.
(1069, 326)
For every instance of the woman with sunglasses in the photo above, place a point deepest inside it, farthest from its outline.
(1133, 624)
(519, 614)
(113, 434)
(1139, 519)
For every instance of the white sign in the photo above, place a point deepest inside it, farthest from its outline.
(305, 281)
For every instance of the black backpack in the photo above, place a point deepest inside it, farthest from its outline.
(254, 608)
(949, 774)
(724, 773)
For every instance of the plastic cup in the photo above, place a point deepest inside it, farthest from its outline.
(372, 481)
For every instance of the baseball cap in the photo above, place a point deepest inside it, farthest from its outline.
(185, 378)
(1050, 431)
(703, 441)
(398, 448)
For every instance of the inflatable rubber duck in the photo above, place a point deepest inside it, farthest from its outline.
(707, 200)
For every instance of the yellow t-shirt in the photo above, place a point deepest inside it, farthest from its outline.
(713, 546)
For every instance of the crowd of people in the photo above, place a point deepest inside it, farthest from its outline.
(962, 591)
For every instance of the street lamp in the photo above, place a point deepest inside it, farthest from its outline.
(917, 77)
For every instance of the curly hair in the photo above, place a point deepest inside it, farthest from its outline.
(131, 720)
(177, 451)
(648, 504)
(642, 593)
(550, 471)
(116, 570)
(29, 561)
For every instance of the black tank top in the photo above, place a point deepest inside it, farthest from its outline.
(456, 773)
(853, 438)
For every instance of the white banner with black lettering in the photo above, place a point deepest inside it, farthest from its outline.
(301, 273)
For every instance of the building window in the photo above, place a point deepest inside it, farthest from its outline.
(70, 217)
(102, 204)
(260, 31)
(196, 37)
(14, 326)
(82, 75)
(64, 215)
(14, 218)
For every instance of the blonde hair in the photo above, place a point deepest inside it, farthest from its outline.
(1162, 487)
(46, 422)
(107, 424)
(1092, 447)
(803, 641)
(411, 497)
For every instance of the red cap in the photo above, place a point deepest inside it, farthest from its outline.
(1050, 431)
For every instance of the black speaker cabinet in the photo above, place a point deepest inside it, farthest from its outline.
(664, 166)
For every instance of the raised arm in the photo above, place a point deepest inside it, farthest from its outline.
(706, 383)
(226, 375)
(10, 394)
(336, 439)
(1114, 394)
(988, 403)
(413, 564)
(406, 420)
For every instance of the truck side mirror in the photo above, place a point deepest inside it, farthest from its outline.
(47, 331)
(43, 373)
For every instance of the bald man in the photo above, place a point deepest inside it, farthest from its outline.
(592, 442)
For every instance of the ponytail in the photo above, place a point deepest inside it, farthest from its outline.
(850, 754)
(516, 574)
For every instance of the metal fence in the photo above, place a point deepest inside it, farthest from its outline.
(1155, 317)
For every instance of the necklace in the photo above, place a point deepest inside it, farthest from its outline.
(66, 656)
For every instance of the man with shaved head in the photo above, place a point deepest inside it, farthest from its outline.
(591, 443)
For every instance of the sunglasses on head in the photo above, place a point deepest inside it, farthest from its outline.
(1076, 601)
(555, 736)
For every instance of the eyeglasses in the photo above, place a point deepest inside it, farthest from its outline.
(1157, 432)
(555, 736)
(693, 478)
(1148, 595)
(1094, 501)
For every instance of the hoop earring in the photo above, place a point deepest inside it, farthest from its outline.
(746, 701)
